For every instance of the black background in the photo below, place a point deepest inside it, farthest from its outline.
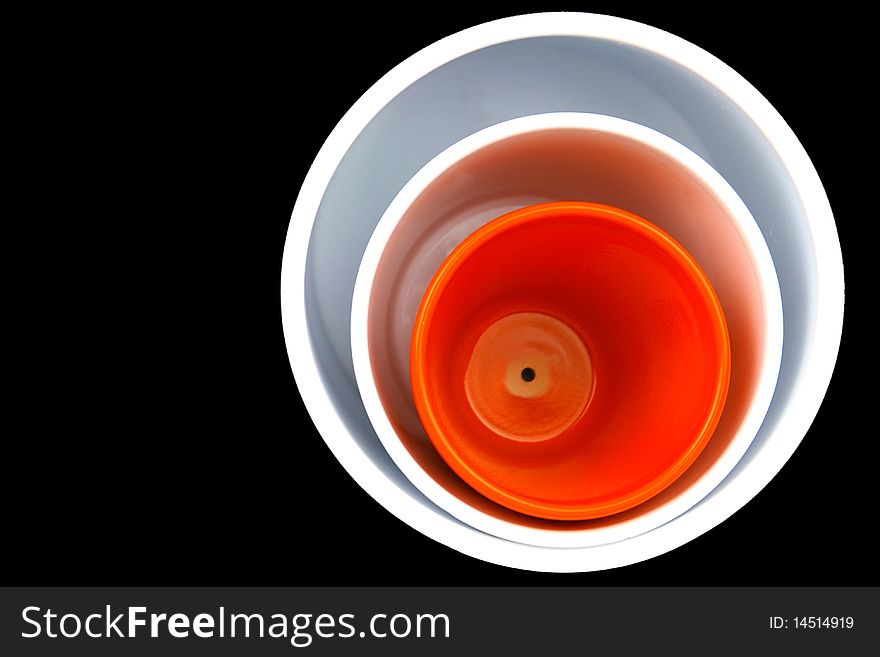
(168, 444)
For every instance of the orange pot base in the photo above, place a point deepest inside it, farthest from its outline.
(530, 377)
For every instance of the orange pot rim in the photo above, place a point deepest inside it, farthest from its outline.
(428, 307)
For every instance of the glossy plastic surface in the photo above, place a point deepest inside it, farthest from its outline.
(630, 296)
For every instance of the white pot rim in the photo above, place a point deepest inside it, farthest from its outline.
(821, 348)
(771, 338)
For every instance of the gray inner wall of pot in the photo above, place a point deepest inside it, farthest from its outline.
(532, 76)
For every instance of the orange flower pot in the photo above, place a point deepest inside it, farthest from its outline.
(569, 360)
